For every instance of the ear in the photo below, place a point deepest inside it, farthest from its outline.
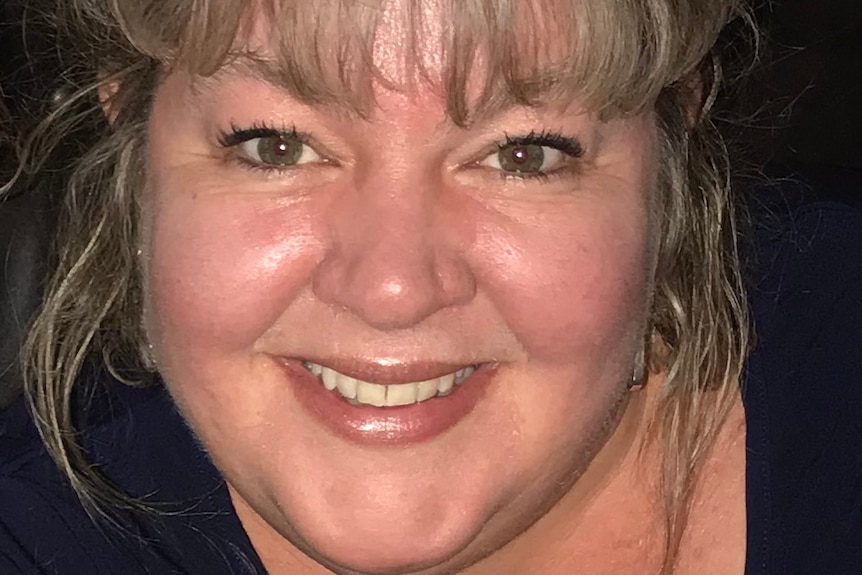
(692, 97)
(108, 90)
(698, 90)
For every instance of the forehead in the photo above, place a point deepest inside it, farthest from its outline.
(612, 56)
(403, 46)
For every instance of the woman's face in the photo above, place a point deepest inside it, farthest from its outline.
(291, 248)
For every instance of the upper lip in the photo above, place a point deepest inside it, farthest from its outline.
(388, 371)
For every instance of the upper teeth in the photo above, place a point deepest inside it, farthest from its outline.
(367, 393)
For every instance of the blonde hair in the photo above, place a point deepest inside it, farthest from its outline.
(618, 56)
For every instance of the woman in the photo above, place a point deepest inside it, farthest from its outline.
(436, 288)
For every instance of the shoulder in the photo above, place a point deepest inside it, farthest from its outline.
(143, 446)
(805, 233)
(43, 528)
(805, 293)
(805, 285)
(803, 384)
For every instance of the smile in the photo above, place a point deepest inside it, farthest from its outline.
(359, 392)
(380, 403)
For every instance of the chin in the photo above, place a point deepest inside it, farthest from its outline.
(376, 548)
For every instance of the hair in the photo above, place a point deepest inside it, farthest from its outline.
(7, 151)
(618, 58)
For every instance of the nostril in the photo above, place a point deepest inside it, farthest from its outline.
(454, 277)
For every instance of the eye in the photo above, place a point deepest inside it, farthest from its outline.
(525, 159)
(266, 148)
(533, 154)
(279, 151)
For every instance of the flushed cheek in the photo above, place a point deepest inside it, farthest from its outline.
(218, 262)
(567, 282)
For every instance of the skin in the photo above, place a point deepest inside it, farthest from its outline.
(404, 242)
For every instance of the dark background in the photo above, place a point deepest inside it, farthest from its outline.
(805, 103)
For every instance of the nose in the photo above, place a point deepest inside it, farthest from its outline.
(394, 257)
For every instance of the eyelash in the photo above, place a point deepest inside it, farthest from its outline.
(236, 135)
(571, 147)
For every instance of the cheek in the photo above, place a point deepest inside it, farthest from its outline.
(570, 281)
(224, 262)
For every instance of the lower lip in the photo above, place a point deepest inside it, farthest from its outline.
(401, 425)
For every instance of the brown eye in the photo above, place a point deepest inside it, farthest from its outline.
(522, 158)
(525, 159)
(278, 151)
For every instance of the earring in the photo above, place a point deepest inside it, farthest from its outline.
(639, 371)
(147, 358)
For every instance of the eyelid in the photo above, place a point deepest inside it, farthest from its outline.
(570, 146)
(236, 135)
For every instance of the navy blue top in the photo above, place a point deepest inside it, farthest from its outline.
(802, 391)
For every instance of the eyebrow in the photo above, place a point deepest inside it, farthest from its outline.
(268, 71)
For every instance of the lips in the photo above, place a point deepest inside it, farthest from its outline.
(387, 403)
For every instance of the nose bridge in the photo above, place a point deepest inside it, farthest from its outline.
(393, 213)
(393, 259)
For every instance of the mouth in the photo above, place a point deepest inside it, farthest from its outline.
(360, 392)
(387, 403)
